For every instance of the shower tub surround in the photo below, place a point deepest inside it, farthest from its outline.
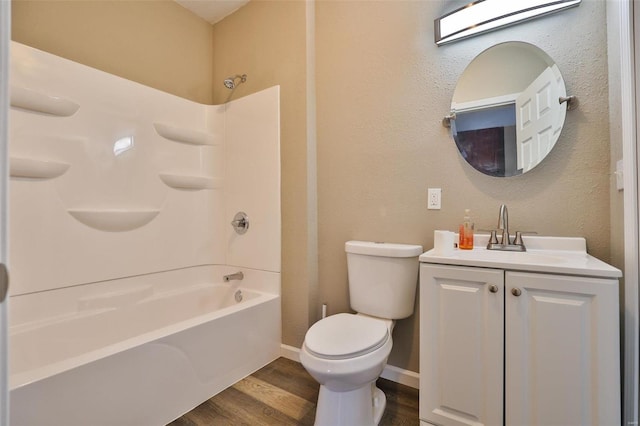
(120, 210)
(140, 352)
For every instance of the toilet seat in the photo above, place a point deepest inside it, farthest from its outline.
(344, 336)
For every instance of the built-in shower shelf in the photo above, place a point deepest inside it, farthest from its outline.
(181, 181)
(38, 102)
(114, 220)
(184, 135)
(32, 168)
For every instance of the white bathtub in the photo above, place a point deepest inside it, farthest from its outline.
(138, 351)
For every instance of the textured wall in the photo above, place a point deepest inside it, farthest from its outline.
(383, 88)
(156, 43)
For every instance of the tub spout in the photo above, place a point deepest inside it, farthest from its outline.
(237, 276)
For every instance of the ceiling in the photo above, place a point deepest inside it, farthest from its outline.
(212, 11)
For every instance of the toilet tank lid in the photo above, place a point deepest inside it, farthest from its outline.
(382, 249)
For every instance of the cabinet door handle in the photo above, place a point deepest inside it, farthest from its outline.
(493, 288)
(516, 291)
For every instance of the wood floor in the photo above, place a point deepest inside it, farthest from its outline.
(283, 393)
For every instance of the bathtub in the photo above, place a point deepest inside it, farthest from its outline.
(141, 350)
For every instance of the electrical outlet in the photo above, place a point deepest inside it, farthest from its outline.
(434, 198)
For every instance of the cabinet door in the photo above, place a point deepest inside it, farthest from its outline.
(562, 350)
(461, 345)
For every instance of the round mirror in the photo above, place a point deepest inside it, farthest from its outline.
(507, 109)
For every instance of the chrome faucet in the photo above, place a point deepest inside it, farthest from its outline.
(503, 225)
(505, 242)
(237, 276)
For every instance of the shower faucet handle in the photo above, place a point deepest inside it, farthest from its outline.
(240, 223)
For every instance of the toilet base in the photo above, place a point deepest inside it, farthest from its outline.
(363, 406)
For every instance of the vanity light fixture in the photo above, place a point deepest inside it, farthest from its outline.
(482, 16)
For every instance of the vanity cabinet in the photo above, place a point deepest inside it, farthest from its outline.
(517, 348)
(461, 345)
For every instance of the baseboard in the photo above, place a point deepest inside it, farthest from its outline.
(290, 352)
(390, 372)
(402, 376)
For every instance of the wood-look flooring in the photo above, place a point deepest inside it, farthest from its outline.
(283, 393)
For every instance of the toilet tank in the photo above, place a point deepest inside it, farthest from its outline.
(382, 278)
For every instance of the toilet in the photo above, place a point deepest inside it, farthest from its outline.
(346, 353)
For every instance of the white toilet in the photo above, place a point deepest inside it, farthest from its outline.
(346, 353)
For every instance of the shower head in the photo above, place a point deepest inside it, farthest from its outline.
(230, 83)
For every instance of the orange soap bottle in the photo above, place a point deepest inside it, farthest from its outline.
(465, 233)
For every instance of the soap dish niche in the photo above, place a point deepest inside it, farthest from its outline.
(114, 220)
(37, 102)
(190, 182)
(184, 135)
(31, 168)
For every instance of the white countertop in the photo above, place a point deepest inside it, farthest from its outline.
(558, 255)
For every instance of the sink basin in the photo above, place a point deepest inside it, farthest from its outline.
(564, 255)
(527, 257)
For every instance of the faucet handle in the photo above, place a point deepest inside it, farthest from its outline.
(493, 238)
(518, 239)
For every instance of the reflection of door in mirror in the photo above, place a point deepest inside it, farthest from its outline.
(537, 128)
(507, 116)
(486, 138)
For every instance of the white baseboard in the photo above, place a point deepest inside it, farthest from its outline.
(290, 352)
(395, 374)
(402, 376)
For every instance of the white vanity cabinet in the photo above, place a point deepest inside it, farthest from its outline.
(504, 345)
(461, 345)
(562, 353)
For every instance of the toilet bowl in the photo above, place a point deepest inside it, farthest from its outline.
(346, 353)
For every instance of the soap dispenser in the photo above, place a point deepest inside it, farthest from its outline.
(465, 233)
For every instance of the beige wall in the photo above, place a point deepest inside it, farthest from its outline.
(383, 87)
(156, 43)
(267, 41)
(382, 90)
